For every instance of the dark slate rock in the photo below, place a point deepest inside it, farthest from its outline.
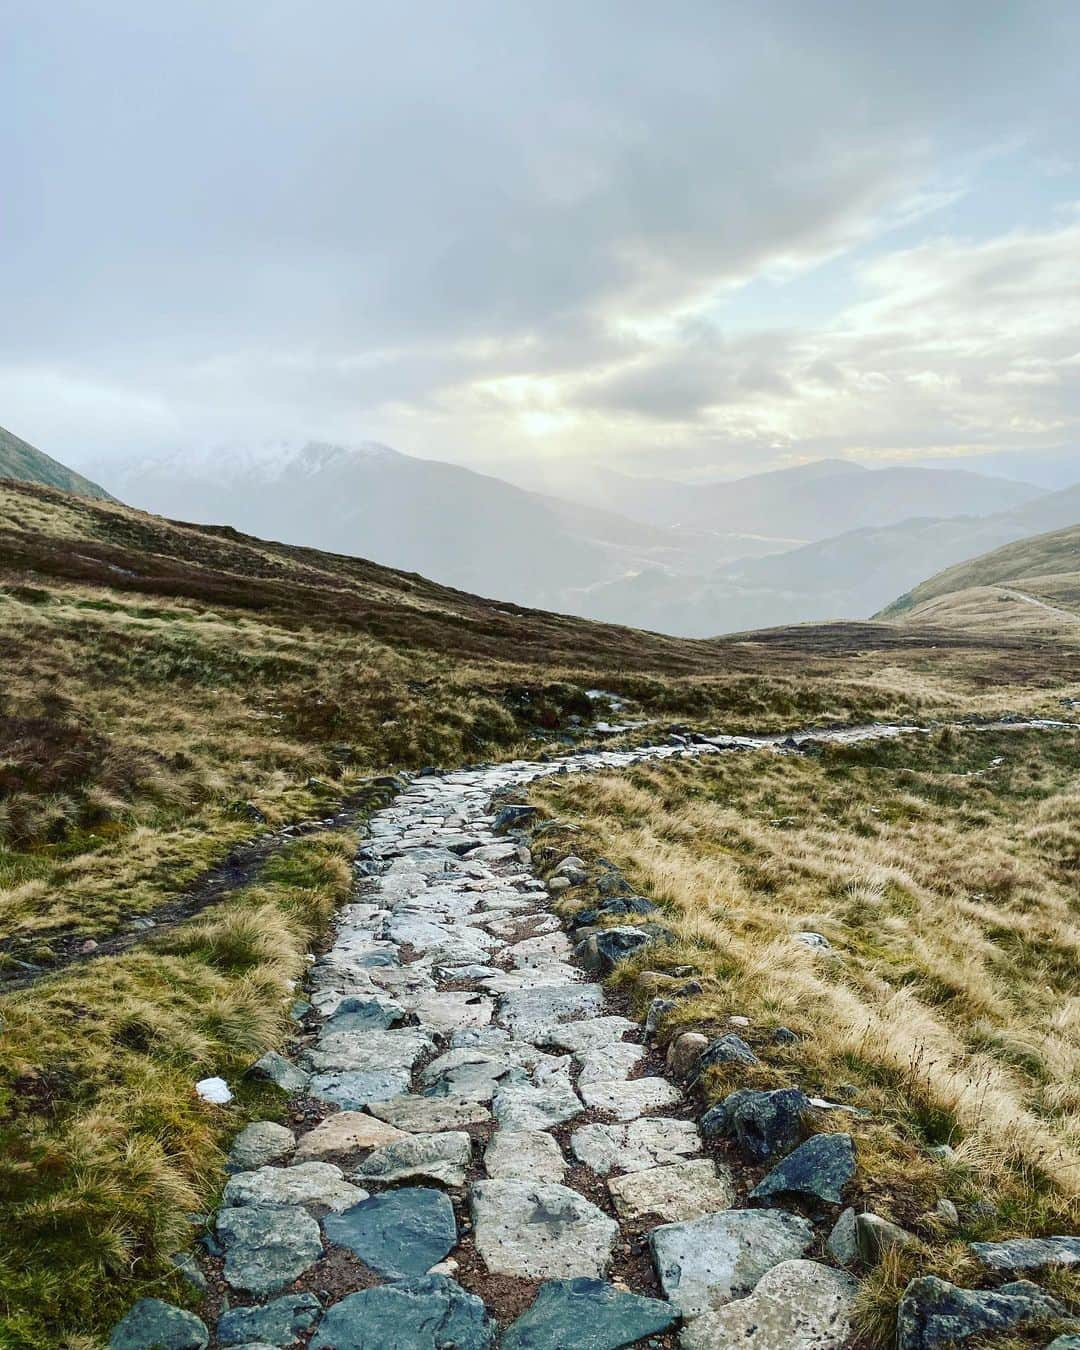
(360, 1014)
(763, 1123)
(276, 1069)
(400, 1233)
(589, 1315)
(514, 817)
(727, 1049)
(603, 951)
(935, 1313)
(817, 1170)
(1028, 1253)
(279, 1322)
(154, 1325)
(784, 1036)
(619, 907)
(430, 1313)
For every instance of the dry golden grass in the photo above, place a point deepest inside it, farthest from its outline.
(948, 1009)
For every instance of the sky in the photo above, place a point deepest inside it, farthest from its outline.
(693, 239)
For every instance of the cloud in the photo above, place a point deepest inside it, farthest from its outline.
(518, 227)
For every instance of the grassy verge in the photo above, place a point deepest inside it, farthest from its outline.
(942, 870)
(105, 1150)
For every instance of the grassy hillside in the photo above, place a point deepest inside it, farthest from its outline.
(941, 871)
(1033, 583)
(21, 461)
(173, 697)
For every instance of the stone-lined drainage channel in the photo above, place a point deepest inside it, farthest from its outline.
(486, 1152)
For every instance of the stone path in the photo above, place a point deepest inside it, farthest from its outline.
(494, 1157)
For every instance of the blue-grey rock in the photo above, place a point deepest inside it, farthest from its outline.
(276, 1069)
(429, 1313)
(602, 951)
(727, 1049)
(763, 1123)
(588, 1315)
(514, 818)
(1028, 1253)
(352, 1089)
(935, 1313)
(817, 1170)
(186, 1264)
(398, 1234)
(360, 1014)
(266, 1248)
(1066, 1342)
(618, 907)
(154, 1325)
(279, 1322)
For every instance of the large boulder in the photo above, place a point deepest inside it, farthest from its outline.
(817, 1171)
(935, 1313)
(588, 1315)
(430, 1312)
(763, 1123)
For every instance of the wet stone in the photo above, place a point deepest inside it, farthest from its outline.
(261, 1142)
(431, 1312)
(539, 1230)
(309, 1183)
(442, 1158)
(398, 1234)
(588, 1315)
(648, 1142)
(153, 1325)
(279, 1322)
(267, 1248)
(798, 1305)
(524, 1155)
(705, 1263)
(684, 1190)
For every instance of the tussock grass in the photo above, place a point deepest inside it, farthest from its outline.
(948, 1010)
(105, 1150)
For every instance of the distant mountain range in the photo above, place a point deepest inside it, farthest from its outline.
(22, 461)
(828, 540)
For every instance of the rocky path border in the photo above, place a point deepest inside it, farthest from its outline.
(485, 1151)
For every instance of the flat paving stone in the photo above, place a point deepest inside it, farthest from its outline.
(587, 1315)
(441, 1158)
(449, 1011)
(577, 1037)
(400, 1233)
(151, 1324)
(343, 1133)
(353, 1090)
(705, 1263)
(267, 1248)
(798, 1305)
(524, 1155)
(651, 1141)
(530, 1106)
(428, 1115)
(261, 1142)
(529, 1013)
(428, 1313)
(540, 1230)
(1028, 1253)
(279, 1322)
(309, 1183)
(609, 1063)
(631, 1099)
(369, 1051)
(684, 1190)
